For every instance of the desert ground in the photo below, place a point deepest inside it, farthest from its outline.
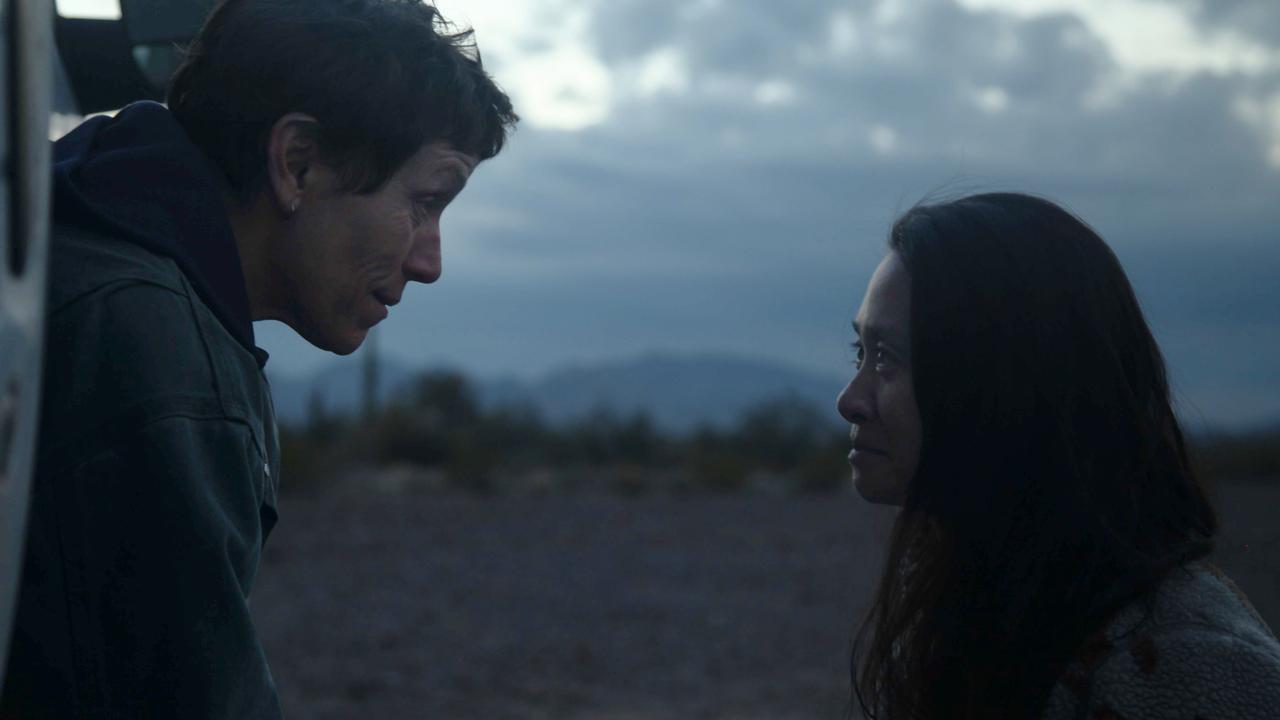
(430, 605)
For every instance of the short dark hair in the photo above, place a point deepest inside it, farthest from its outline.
(1054, 484)
(381, 77)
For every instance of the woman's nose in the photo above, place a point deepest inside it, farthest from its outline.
(852, 403)
(424, 263)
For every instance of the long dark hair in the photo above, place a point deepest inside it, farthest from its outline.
(1053, 484)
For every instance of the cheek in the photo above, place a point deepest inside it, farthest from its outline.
(378, 252)
(911, 415)
(370, 228)
(901, 416)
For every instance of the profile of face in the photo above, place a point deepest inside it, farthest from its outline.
(880, 400)
(344, 258)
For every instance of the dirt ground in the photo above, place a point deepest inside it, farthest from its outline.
(578, 606)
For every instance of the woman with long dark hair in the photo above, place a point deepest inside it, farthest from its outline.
(1048, 559)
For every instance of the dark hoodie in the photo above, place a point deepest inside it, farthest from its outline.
(157, 457)
(137, 176)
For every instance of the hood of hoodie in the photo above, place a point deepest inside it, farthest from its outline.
(138, 176)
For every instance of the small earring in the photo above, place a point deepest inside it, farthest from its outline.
(293, 208)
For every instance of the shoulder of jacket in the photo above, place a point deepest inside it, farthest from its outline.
(1188, 671)
(1201, 639)
(1202, 594)
(1202, 652)
(127, 350)
(85, 263)
(137, 355)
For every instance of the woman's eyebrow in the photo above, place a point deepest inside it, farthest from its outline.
(875, 332)
(448, 178)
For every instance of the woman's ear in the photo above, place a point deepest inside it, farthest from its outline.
(292, 151)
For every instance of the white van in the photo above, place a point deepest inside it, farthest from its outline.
(71, 66)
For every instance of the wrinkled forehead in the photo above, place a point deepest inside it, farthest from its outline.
(886, 308)
(438, 168)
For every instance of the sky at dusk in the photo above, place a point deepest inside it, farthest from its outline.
(719, 176)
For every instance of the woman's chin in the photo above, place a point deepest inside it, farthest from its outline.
(876, 489)
(343, 342)
(350, 341)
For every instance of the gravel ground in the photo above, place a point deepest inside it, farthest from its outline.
(579, 606)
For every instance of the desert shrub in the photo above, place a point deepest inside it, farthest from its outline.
(439, 423)
(720, 471)
(409, 435)
(447, 396)
(636, 441)
(1253, 456)
(515, 434)
(632, 481)
(471, 462)
(603, 439)
(778, 434)
(300, 461)
(825, 468)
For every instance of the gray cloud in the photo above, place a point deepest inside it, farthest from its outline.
(1256, 18)
(704, 219)
(924, 76)
(748, 36)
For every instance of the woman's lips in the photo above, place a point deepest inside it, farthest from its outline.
(862, 452)
(380, 313)
(386, 298)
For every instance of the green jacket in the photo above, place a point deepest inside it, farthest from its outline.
(155, 489)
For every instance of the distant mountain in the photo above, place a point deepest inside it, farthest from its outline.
(336, 389)
(679, 392)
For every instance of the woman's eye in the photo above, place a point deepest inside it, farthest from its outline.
(879, 356)
(422, 210)
(424, 205)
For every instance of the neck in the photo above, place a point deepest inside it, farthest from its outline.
(252, 226)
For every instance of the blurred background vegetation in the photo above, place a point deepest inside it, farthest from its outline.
(436, 435)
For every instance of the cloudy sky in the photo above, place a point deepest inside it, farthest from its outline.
(719, 175)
